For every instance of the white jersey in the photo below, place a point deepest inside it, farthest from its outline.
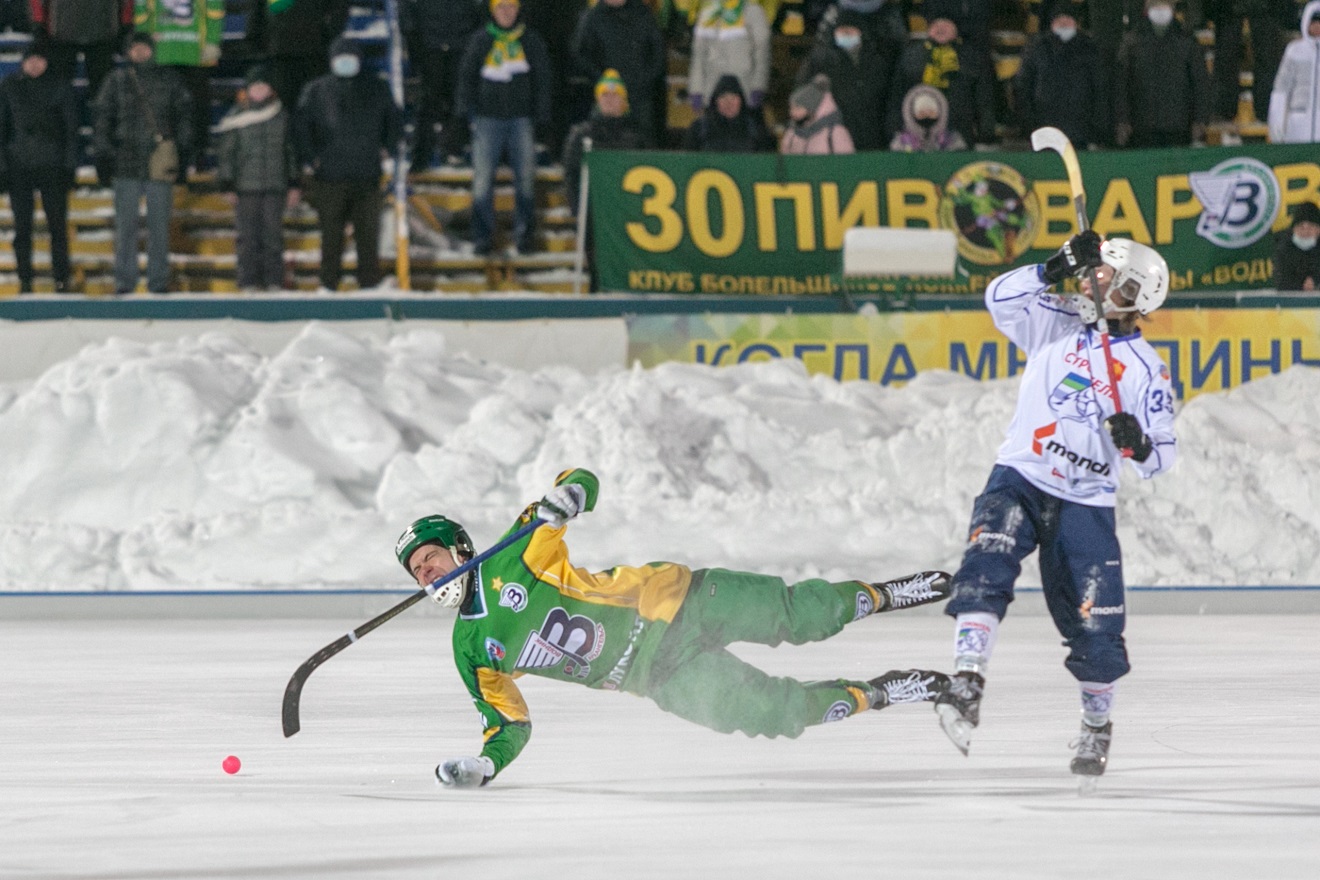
(1057, 440)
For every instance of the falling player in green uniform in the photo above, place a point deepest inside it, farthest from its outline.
(658, 630)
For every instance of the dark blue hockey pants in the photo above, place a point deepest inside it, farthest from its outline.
(1080, 565)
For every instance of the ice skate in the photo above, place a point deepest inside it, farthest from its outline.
(959, 708)
(909, 592)
(1092, 746)
(907, 686)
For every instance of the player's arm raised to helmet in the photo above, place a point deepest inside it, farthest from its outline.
(1024, 309)
(506, 721)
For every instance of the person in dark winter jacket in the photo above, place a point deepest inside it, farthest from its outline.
(297, 35)
(859, 69)
(143, 114)
(959, 71)
(1296, 257)
(96, 29)
(504, 88)
(436, 32)
(345, 123)
(623, 35)
(256, 163)
(610, 127)
(727, 125)
(1059, 82)
(38, 154)
(1162, 90)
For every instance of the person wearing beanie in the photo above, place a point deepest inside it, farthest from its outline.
(1296, 257)
(257, 167)
(346, 122)
(142, 145)
(728, 125)
(611, 126)
(624, 36)
(1059, 82)
(815, 123)
(38, 155)
(505, 87)
(1161, 89)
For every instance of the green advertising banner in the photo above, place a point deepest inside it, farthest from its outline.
(767, 224)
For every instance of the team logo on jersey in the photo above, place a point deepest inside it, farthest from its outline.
(839, 711)
(567, 642)
(993, 211)
(513, 597)
(864, 604)
(494, 650)
(1239, 200)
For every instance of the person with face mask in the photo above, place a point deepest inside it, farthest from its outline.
(858, 68)
(38, 154)
(345, 124)
(1059, 82)
(142, 141)
(959, 71)
(1296, 257)
(1162, 90)
(926, 124)
(815, 124)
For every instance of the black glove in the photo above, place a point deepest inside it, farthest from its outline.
(1082, 251)
(1127, 434)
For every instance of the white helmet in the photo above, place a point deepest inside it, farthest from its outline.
(1139, 271)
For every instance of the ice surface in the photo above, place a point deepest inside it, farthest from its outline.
(114, 734)
(201, 464)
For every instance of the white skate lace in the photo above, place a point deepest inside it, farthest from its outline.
(913, 689)
(1091, 744)
(914, 589)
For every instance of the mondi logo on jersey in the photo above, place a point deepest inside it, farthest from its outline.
(1239, 200)
(1042, 444)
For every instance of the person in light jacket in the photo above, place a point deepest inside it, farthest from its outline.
(1295, 101)
(815, 123)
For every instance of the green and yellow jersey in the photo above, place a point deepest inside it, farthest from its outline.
(533, 612)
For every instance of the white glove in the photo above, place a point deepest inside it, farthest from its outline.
(561, 504)
(465, 772)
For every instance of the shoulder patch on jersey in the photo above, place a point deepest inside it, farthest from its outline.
(495, 650)
(513, 597)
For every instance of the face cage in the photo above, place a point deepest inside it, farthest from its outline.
(450, 594)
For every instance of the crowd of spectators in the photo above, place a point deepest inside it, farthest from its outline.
(503, 82)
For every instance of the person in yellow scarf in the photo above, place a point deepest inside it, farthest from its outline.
(504, 92)
(730, 37)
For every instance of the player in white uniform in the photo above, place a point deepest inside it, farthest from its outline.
(1055, 477)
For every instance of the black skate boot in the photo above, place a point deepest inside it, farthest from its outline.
(1092, 747)
(959, 708)
(921, 588)
(907, 686)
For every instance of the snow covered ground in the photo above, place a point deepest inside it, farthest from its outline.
(114, 734)
(198, 464)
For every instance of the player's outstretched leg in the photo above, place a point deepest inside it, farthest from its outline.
(959, 708)
(1092, 747)
(907, 686)
(921, 588)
